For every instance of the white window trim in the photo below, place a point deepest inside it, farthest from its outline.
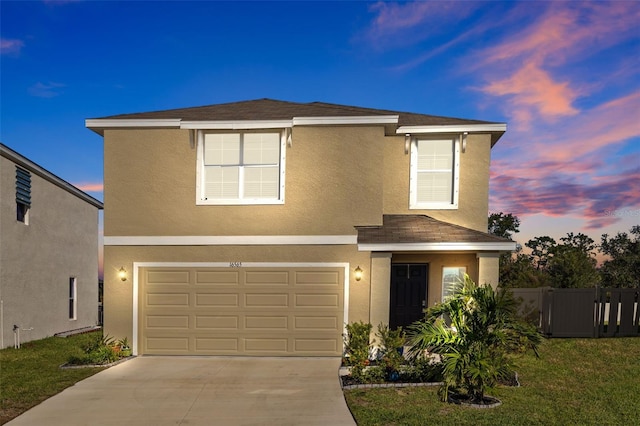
(413, 181)
(230, 202)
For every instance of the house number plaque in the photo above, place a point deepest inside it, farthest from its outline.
(235, 264)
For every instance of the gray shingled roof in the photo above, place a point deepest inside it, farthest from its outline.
(403, 229)
(270, 109)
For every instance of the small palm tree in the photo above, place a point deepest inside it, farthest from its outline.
(476, 332)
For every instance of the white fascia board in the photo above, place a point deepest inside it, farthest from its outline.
(324, 121)
(230, 240)
(509, 246)
(459, 128)
(111, 123)
(236, 125)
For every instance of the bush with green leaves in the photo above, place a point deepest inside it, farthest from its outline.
(477, 341)
(390, 350)
(100, 349)
(357, 348)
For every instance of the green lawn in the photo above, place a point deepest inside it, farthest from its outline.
(575, 382)
(31, 374)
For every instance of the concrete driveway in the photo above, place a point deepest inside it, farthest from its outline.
(190, 391)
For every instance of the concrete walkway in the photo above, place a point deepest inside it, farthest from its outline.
(201, 391)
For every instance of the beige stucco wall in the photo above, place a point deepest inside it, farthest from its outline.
(333, 182)
(37, 260)
(473, 197)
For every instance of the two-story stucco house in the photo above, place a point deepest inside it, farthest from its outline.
(262, 227)
(48, 252)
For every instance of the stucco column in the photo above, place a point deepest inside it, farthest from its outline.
(380, 289)
(488, 268)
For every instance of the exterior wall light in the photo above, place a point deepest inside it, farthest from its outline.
(358, 273)
(122, 274)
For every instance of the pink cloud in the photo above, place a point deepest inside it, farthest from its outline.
(90, 187)
(10, 46)
(532, 88)
(527, 70)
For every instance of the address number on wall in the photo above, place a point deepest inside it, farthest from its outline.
(235, 264)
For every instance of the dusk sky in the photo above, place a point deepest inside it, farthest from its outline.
(564, 76)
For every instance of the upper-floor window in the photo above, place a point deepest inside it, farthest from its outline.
(241, 168)
(435, 167)
(23, 195)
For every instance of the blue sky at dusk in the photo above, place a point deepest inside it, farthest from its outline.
(564, 76)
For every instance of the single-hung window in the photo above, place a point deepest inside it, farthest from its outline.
(73, 298)
(241, 168)
(435, 164)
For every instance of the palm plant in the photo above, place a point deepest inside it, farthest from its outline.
(476, 332)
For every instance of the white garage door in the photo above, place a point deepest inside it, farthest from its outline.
(241, 311)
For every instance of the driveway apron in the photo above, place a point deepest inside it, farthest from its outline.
(159, 390)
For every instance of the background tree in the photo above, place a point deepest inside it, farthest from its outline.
(515, 268)
(503, 225)
(573, 266)
(623, 267)
(541, 250)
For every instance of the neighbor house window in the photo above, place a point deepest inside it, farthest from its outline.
(435, 164)
(23, 195)
(73, 298)
(452, 278)
(241, 168)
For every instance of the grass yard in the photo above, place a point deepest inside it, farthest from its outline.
(31, 374)
(575, 382)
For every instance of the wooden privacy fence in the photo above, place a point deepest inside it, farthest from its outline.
(582, 312)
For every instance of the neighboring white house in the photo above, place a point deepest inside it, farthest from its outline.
(48, 252)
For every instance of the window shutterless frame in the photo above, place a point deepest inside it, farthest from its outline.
(435, 172)
(234, 168)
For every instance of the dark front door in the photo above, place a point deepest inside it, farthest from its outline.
(408, 294)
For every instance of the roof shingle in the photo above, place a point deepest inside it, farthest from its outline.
(270, 109)
(402, 229)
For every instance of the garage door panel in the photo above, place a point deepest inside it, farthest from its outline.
(167, 299)
(318, 323)
(241, 311)
(228, 345)
(226, 322)
(217, 300)
(318, 278)
(168, 277)
(328, 346)
(167, 343)
(265, 345)
(226, 277)
(167, 321)
(260, 322)
(262, 300)
(318, 300)
(270, 278)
